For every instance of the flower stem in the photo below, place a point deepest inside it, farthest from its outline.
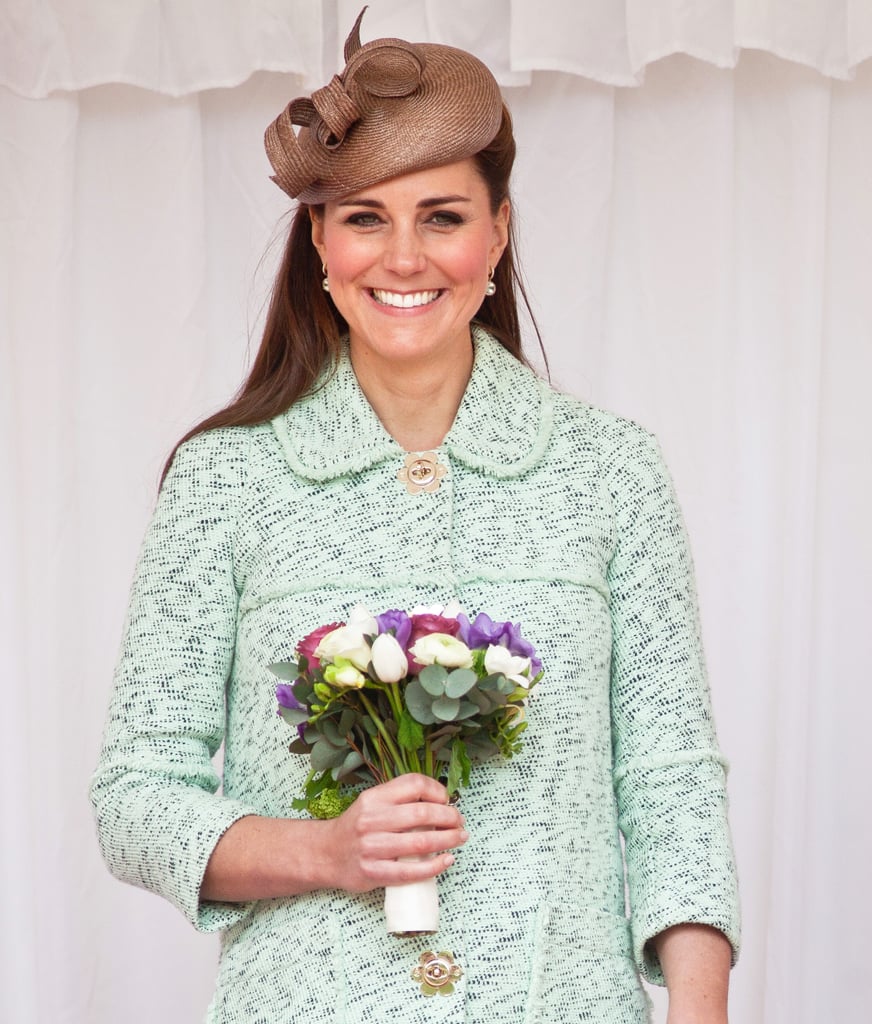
(385, 735)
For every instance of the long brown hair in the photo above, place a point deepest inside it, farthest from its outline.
(301, 337)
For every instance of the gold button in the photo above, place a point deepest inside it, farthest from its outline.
(421, 471)
(436, 973)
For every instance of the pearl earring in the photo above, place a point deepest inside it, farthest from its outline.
(325, 284)
(491, 288)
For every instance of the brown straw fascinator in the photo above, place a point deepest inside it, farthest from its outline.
(397, 107)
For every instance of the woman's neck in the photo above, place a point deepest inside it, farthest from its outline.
(416, 402)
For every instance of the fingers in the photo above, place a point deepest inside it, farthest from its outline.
(400, 831)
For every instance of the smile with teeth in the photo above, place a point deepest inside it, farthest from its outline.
(404, 300)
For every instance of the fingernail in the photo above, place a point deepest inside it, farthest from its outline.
(449, 860)
(464, 835)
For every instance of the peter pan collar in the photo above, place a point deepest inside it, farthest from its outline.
(502, 426)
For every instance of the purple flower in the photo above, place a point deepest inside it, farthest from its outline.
(286, 698)
(399, 623)
(483, 632)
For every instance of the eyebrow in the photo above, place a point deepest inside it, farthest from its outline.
(424, 204)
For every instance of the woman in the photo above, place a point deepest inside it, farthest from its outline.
(418, 461)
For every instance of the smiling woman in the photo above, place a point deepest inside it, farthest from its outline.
(408, 263)
(392, 449)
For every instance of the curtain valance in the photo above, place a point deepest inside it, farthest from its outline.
(184, 46)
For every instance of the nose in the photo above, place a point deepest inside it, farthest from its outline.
(404, 251)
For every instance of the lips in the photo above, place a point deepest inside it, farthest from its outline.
(404, 300)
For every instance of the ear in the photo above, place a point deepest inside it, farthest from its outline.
(317, 219)
(501, 232)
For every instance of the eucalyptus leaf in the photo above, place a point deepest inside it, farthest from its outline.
(419, 703)
(467, 709)
(446, 708)
(284, 669)
(325, 756)
(346, 721)
(433, 679)
(352, 761)
(369, 726)
(299, 747)
(331, 732)
(460, 682)
(293, 716)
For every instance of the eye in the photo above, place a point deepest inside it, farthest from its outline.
(445, 218)
(363, 219)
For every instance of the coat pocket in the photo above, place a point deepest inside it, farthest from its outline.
(583, 969)
(279, 970)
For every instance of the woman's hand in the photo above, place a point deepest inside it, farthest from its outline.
(264, 858)
(409, 817)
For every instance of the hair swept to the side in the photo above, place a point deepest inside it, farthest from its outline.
(301, 337)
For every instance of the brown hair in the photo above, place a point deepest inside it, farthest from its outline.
(301, 337)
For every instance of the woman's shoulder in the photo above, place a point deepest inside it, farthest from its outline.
(615, 439)
(216, 458)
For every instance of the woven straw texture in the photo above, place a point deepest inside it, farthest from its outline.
(552, 514)
(396, 107)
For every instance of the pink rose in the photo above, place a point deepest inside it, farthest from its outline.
(309, 644)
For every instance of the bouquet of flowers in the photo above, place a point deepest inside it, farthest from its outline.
(378, 696)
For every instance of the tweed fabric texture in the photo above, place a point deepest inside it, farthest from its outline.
(553, 514)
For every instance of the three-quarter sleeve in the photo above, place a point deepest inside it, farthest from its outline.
(669, 775)
(154, 790)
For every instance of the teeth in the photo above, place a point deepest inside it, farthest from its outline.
(404, 301)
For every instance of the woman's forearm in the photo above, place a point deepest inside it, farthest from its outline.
(696, 965)
(362, 849)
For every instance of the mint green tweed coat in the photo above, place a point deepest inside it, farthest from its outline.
(552, 514)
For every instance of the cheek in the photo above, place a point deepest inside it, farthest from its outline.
(469, 262)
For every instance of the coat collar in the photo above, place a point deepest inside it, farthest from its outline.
(501, 428)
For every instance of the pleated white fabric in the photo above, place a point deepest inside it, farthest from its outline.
(189, 45)
(698, 251)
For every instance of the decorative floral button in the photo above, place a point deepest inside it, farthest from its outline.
(422, 472)
(436, 973)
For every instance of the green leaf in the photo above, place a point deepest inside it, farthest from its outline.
(433, 679)
(446, 708)
(293, 716)
(352, 760)
(346, 721)
(369, 726)
(331, 733)
(284, 669)
(467, 709)
(460, 682)
(419, 703)
(458, 767)
(325, 756)
(410, 734)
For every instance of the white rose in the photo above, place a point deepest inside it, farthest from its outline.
(362, 619)
(499, 659)
(441, 649)
(445, 611)
(344, 642)
(389, 659)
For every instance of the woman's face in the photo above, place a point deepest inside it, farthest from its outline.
(408, 259)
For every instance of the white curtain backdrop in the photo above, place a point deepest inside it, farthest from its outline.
(694, 194)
